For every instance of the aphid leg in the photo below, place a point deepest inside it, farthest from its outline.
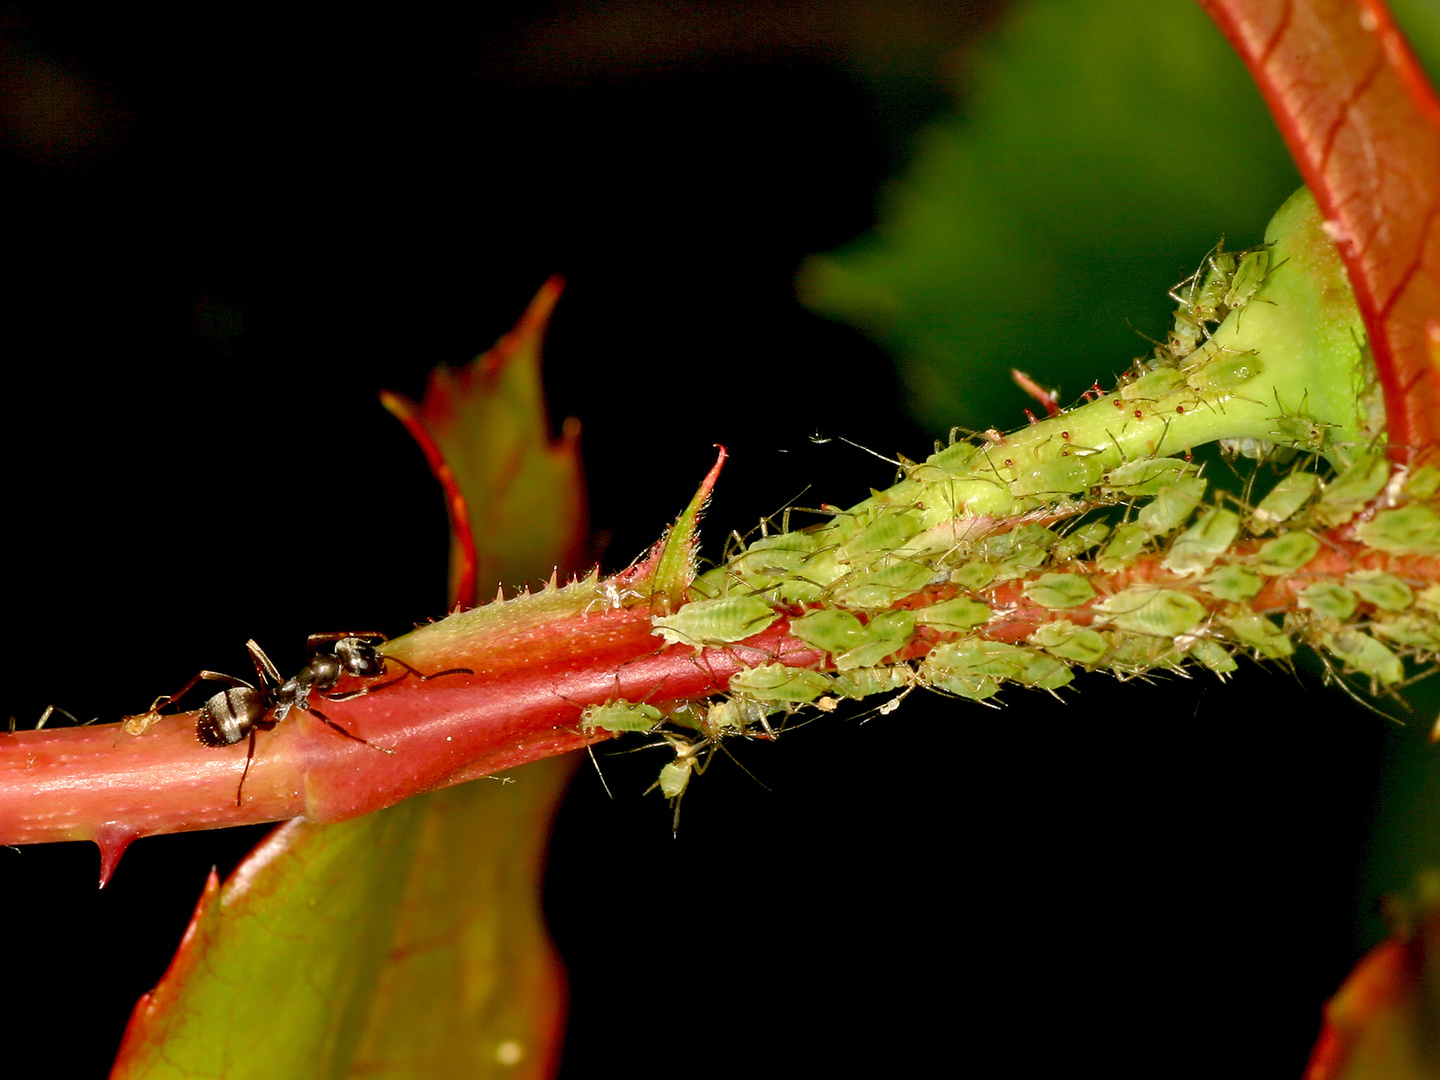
(50, 710)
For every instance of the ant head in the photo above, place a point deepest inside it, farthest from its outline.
(358, 657)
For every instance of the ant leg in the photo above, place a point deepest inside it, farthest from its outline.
(314, 641)
(249, 757)
(348, 734)
(265, 670)
(204, 676)
(348, 694)
(371, 688)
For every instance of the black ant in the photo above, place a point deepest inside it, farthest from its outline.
(243, 709)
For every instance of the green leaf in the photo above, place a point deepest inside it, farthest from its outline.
(407, 943)
(1099, 144)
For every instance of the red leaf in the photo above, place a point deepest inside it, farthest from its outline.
(514, 494)
(1363, 125)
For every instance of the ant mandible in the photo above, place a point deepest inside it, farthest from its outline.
(243, 709)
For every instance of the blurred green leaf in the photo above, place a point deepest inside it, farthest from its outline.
(1101, 148)
(407, 943)
(399, 944)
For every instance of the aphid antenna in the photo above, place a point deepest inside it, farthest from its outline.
(595, 761)
(1337, 677)
(999, 480)
(1405, 684)
(863, 449)
(888, 706)
(715, 744)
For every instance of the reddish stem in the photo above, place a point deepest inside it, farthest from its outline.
(532, 678)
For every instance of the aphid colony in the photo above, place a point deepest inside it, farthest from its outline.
(1207, 562)
(1213, 560)
(1093, 533)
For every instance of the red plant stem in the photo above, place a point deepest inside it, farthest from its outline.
(522, 704)
(1363, 125)
(532, 678)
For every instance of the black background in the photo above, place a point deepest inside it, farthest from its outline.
(225, 235)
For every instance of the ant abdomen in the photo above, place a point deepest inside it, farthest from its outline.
(230, 715)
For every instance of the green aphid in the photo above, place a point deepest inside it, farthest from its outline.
(1045, 672)
(798, 589)
(1153, 384)
(1060, 590)
(1429, 598)
(981, 657)
(973, 576)
(1422, 484)
(887, 532)
(953, 462)
(1329, 600)
(954, 616)
(778, 683)
(1169, 509)
(883, 587)
(1258, 633)
(1413, 629)
(1078, 541)
(1070, 642)
(1352, 489)
(1065, 475)
(1288, 553)
(1363, 655)
(675, 777)
(1160, 612)
(1006, 544)
(1126, 544)
(1133, 653)
(973, 668)
(620, 716)
(1408, 530)
(1385, 591)
(1181, 341)
(736, 715)
(885, 635)
(1214, 656)
(776, 555)
(1289, 495)
(829, 630)
(1224, 373)
(1248, 278)
(709, 585)
(1020, 563)
(1302, 433)
(863, 682)
(1147, 476)
(716, 622)
(1199, 546)
(1232, 582)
